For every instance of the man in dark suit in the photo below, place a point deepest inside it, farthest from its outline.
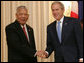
(64, 37)
(20, 38)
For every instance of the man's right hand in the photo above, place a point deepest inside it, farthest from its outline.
(42, 54)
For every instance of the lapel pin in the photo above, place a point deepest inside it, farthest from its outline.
(65, 23)
(29, 30)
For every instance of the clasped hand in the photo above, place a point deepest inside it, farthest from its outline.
(41, 54)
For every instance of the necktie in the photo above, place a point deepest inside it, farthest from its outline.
(59, 31)
(25, 32)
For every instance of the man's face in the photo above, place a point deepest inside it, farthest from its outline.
(22, 16)
(57, 11)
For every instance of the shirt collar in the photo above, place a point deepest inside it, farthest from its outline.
(24, 25)
(61, 20)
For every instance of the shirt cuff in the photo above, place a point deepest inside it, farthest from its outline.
(47, 52)
(35, 54)
(81, 59)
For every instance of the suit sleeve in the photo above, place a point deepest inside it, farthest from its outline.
(49, 48)
(13, 41)
(79, 38)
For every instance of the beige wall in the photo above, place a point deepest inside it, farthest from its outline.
(39, 17)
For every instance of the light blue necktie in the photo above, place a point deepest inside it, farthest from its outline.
(59, 30)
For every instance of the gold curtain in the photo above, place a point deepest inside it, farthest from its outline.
(40, 16)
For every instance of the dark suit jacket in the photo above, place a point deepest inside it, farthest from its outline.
(19, 49)
(71, 47)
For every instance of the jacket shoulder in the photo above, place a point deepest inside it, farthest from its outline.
(12, 25)
(51, 24)
(71, 19)
(29, 27)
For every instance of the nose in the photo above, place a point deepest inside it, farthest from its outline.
(55, 11)
(23, 15)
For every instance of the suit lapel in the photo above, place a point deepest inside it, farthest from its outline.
(64, 28)
(29, 33)
(55, 32)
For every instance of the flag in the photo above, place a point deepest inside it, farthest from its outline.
(74, 9)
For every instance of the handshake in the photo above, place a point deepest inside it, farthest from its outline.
(42, 54)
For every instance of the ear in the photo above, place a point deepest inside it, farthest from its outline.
(28, 15)
(64, 10)
(16, 15)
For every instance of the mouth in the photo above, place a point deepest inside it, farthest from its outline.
(56, 15)
(23, 19)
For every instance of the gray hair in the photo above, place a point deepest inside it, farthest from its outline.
(57, 2)
(21, 7)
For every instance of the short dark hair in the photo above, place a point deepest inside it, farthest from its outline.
(20, 7)
(57, 2)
